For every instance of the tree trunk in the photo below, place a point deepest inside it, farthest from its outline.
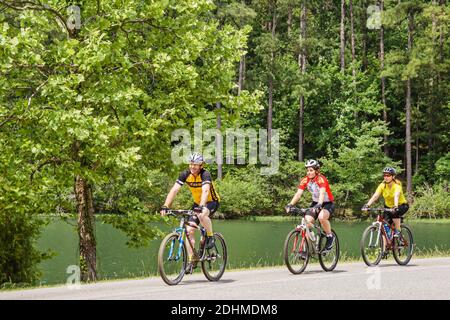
(270, 111)
(86, 225)
(441, 34)
(271, 80)
(417, 148)
(408, 112)
(219, 146)
(364, 37)
(289, 22)
(383, 81)
(352, 40)
(302, 65)
(342, 36)
(241, 74)
(431, 92)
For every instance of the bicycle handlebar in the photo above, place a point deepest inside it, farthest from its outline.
(379, 209)
(180, 212)
(299, 210)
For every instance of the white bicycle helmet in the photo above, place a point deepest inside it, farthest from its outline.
(312, 163)
(390, 170)
(196, 158)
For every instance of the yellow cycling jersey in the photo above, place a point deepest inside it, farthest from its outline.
(195, 185)
(389, 192)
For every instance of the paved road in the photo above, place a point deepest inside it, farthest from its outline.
(422, 279)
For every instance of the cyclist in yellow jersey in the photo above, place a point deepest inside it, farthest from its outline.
(206, 200)
(391, 190)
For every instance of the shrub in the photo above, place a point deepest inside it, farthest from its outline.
(432, 202)
(242, 194)
(20, 227)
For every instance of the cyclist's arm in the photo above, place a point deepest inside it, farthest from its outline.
(296, 197)
(321, 195)
(374, 198)
(172, 194)
(396, 198)
(205, 192)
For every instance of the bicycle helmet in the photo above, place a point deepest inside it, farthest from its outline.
(312, 163)
(196, 158)
(390, 170)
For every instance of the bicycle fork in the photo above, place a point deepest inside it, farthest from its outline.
(377, 237)
(302, 244)
(181, 232)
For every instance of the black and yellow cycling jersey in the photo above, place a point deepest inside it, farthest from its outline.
(388, 192)
(195, 184)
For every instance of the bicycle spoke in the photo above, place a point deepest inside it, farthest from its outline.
(215, 259)
(371, 246)
(172, 259)
(296, 253)
(403, 246)
(328, 258)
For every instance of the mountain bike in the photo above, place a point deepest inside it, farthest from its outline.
(304, 243)
(172, 255)
(378, 241)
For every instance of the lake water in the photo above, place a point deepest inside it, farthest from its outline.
(250, 243)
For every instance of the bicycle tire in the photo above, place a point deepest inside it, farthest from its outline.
(169, 240)
(335, 249)
(410, 244)
(291, 256)
(210, 256)
(365, 255)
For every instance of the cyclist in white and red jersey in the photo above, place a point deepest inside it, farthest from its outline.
(323, 200)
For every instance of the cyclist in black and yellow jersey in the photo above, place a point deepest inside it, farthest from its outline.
(206, 199)
(391, 190)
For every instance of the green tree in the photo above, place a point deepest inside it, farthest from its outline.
(93, 100)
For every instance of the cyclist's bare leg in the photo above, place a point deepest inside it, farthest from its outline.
(324, 217)
(191, 232)
(397, 222)
(309, 223)
(205, 220)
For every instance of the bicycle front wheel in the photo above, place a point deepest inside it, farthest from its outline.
(215, 259)
(296, 252)
(403, 246)
(172, 259)
(372, 245)
(328, 259)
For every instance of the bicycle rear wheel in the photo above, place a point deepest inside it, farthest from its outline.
(371, 246)
(328, 260)
(403, 246)
(172, 259)
(215, 259)
(296, 252)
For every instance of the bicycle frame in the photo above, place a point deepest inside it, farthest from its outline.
(308, 236)
(380, 224)
(181, 230)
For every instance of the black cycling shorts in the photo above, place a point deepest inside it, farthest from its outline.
(326, 205)
(213, 206)
(402, 209)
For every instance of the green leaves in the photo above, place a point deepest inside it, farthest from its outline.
(101, 101)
